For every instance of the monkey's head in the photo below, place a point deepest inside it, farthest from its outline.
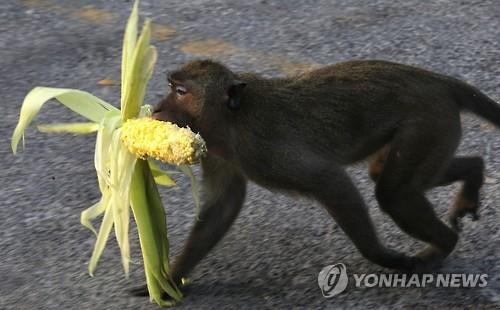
(203, 95)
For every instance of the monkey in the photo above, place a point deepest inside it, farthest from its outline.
(297, 134)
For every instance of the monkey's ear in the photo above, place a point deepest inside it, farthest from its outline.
(234, 94)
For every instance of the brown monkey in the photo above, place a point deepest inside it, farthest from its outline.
(296, 134)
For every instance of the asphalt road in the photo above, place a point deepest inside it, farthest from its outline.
(272, 256)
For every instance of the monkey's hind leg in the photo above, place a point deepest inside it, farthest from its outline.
(410, 169)
(470, 170)
(343, 202)
(377, 161)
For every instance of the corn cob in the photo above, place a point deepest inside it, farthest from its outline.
(164, 141)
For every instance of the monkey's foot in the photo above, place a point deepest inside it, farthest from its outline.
(142, 291)
(139, 291)
(462, 207)
(429, 259)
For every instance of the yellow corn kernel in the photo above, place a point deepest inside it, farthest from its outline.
(167, 142)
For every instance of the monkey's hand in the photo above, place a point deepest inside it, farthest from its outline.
(142, 291)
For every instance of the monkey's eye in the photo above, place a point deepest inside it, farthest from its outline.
(180, 90)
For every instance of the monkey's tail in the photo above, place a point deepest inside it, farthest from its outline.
(472, 99)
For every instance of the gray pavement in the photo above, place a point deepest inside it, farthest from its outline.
(272, 256)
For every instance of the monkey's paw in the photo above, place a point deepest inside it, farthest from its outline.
(139, 291)
(428, 260)
(142, 291)
(461, 208)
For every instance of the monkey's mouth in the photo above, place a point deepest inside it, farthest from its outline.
(158, 116)
(180, 120)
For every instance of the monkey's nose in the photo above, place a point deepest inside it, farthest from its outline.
(156, 116)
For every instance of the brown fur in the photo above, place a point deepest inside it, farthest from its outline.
(297, 133)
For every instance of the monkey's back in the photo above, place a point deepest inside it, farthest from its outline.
(349, 110)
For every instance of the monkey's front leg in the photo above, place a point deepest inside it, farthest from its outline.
(224, 190)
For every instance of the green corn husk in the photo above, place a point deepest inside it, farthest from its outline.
(125, 181)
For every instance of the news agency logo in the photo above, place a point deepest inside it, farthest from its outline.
(333, 280)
